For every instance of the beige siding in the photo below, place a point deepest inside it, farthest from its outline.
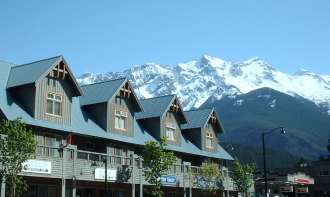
(62, 87)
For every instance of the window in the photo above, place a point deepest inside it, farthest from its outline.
(170, 130)
(209, 140)
(54, 104)
(121, 120)
(47, 145)
(170, 134)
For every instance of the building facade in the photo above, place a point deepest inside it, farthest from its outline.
(90, 137)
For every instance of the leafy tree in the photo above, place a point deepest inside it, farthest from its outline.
(211, 177)
(242, 176)
(157, 161)
(17, 144)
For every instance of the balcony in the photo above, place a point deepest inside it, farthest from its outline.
(89, 166)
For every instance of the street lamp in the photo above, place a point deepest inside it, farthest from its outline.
(264, 153)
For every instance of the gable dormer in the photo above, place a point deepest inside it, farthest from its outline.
(162, 117)
(203, 129)
(45, 89)
(112, 104)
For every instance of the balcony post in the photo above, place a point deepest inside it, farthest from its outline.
(63, 150)
(190, 185)
(133, 177)
(140, 177)
(3, 187)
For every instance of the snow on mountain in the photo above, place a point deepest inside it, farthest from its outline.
(198, 80)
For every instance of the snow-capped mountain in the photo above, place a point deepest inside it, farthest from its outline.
(209, 77)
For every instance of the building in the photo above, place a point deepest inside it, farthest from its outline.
(286, 183)
(83, 131)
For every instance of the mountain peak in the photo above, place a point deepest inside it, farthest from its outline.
(198, 80)
(302, 72)
(210, 60)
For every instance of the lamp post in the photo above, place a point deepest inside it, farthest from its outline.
(264, 153)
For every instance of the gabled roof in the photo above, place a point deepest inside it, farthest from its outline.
(33, 72)
(81, 124)
(157, 107)
(199, 118)
(103, 91)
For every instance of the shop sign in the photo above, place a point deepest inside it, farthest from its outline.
(286, 189)
(37, 166)
(302, 181)
(168, 180)
(111, 174)
(302, 190)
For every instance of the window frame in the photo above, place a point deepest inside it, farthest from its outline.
(209, 136)
(120, 116)
(54, 104)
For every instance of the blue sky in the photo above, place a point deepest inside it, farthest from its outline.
(112, 35)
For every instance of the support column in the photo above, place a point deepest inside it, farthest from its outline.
(3, 187)
(140, 177)
(227, 193)
(133, 177)
(63, 171)
(74, 186)
(63, 187)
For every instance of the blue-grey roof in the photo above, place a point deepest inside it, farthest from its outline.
(155, 107)
(32, 72)
(100, 92)
(104, 91)
(199, 118)
(82, 124)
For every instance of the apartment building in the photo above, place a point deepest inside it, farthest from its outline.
(90, 137)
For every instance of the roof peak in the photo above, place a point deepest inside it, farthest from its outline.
(106, 81)
(58, 56)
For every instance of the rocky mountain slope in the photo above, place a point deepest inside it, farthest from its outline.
(247, 115)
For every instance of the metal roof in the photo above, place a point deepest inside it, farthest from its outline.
(100, 92)
(104, 91)
(157, 107)
(82, 124)
(199, 118)
(32, 72)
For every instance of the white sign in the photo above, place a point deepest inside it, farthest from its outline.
(111, 174)
(37, 166)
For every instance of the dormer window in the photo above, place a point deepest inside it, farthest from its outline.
(121, 120)
(170, 130)
(54, 104)
(209, 140)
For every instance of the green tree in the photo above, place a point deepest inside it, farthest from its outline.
(211, 177)
(157, 160)
(242, 176)
(17, 144)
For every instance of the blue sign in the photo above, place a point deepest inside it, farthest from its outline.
(168, 180)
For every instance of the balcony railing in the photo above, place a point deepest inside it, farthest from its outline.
(83, 165)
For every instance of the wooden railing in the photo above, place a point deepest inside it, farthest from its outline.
(81, 164)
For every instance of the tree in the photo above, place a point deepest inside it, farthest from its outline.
(211, 177)
(242, 176)
(157, 161)
(17, 144)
